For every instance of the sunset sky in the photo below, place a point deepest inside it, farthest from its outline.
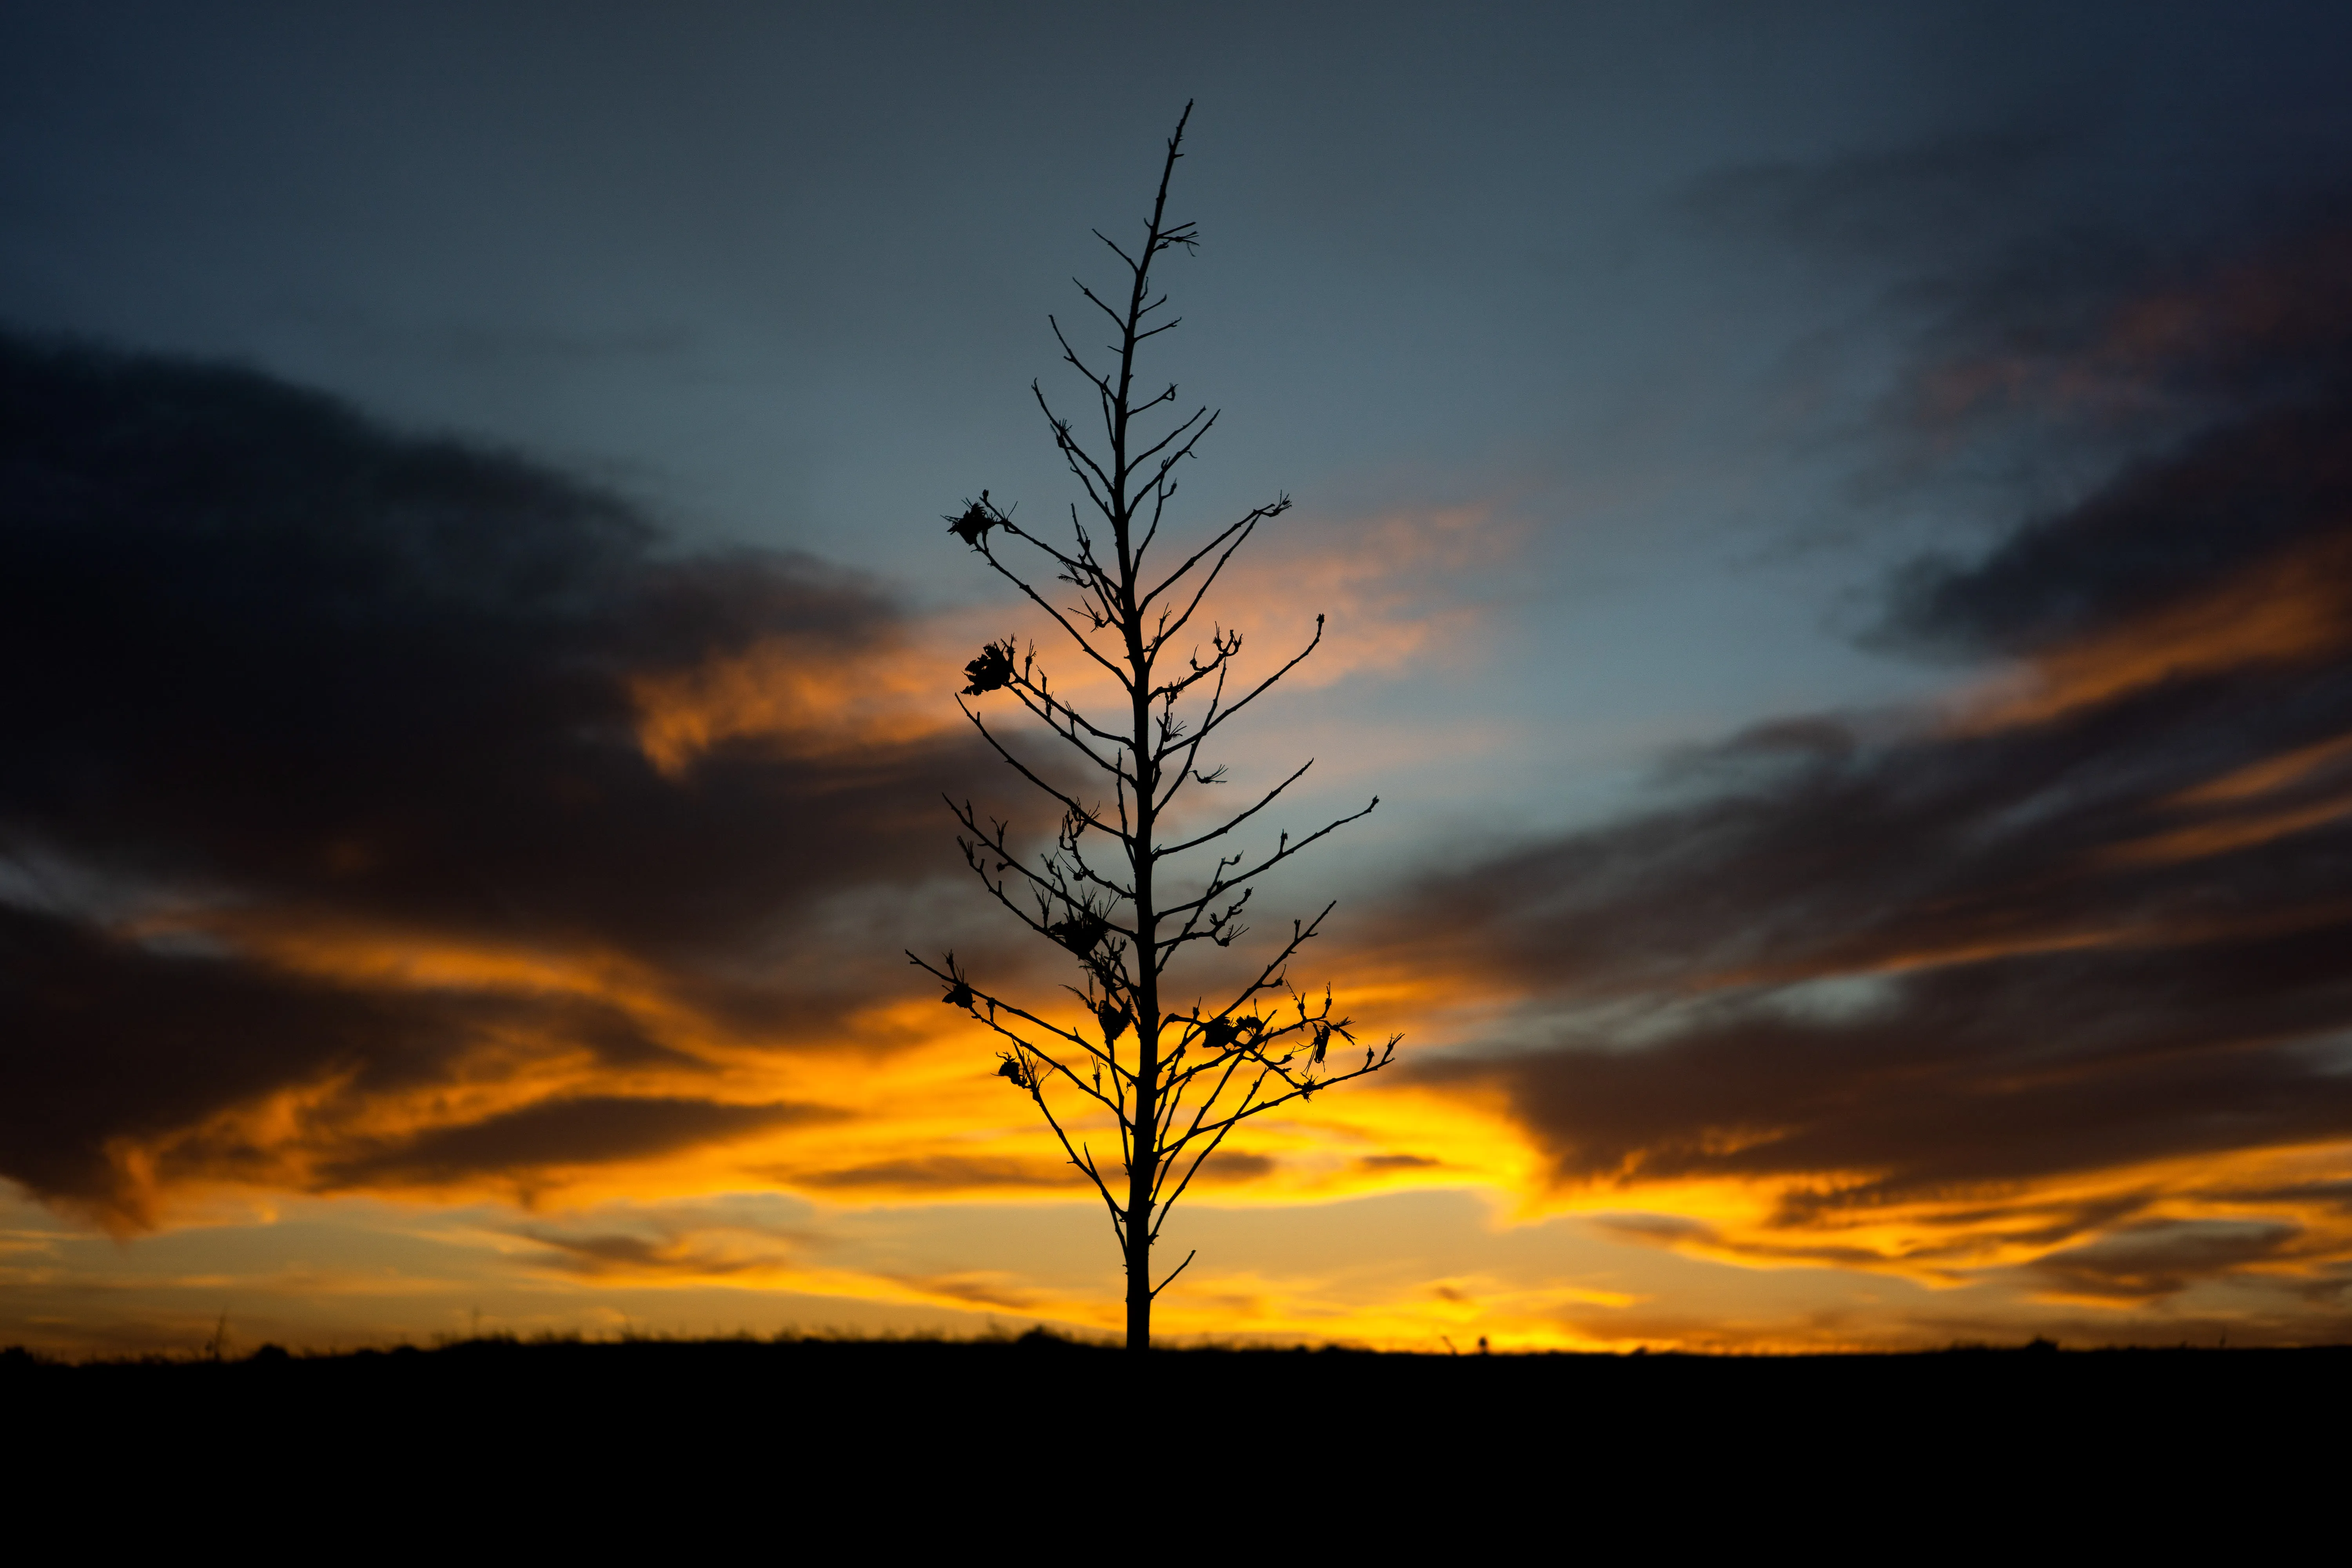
(1835, 524)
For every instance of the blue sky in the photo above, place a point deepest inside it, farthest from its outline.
(1625, 362)
(1638, 283)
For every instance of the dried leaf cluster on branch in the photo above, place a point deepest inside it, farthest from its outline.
(1180, 1081)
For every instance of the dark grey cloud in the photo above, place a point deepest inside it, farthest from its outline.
(2166, 529)
(685, 1254)
(2145, 1262)
(596, 1255)
(943, 1173)
(954, 1173)
(255, 637)
(2099, 928)
(272, 662)
(1972, 1075)
(1906, 200)
(2241, 361)
(586, 1130)
(1396, 1162)
(105, 1038)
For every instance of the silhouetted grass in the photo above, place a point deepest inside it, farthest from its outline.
(814, 1418)
(577, 1365)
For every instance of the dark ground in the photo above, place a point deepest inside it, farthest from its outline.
(979, 1447)
(825, 1389)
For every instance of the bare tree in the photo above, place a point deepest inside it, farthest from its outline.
(1109, 891)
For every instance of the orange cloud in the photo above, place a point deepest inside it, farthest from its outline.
(2268, 777)
(894, 1100)
(2237, 829)
(2172, 339)
(2221, 837)
(1969, 1235)
(807, 697)
(1390, 585)
(2293, 609)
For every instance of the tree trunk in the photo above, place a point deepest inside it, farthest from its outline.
(1139, 1270)
(1143, 1168)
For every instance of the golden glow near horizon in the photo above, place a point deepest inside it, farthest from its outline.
(921, 1194)
(870, 1165)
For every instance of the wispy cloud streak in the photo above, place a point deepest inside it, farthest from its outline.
(2031, 981)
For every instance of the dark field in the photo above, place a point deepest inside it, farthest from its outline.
(819, 1394)
(847, 1449)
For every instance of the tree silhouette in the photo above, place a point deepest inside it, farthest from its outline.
(1176, 1083)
